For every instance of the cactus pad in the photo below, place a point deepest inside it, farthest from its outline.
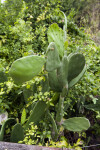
(26, 68)
(53, 81)
(76, 65)
(17, 133)
(75, 80)
(38, 111)
(76, 124)
(62, 72)
(53, 60)
(56, 34)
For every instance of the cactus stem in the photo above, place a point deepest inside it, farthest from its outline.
(54, 127)
(59, 116)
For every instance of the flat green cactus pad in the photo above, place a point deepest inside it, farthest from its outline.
(38, 111)
(53, 81)
(76, 65)
(26, 68)
(76, 124)
(62, 72)
(64, 18)
(56, 35)
(75, 80)
(17, 133)
(53, 60)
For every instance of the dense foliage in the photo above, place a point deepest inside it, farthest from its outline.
(23, 31)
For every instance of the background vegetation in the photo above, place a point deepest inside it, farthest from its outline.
(23, 30)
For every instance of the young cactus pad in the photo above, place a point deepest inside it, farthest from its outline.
(53, 60)
(56, 35)
(64, 19)
(26, 68)
(76, 124)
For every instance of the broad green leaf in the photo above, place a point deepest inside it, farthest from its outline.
(24, 69)
(56, 35)
(76, 124)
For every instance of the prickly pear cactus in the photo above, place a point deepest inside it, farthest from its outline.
(63, 72)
